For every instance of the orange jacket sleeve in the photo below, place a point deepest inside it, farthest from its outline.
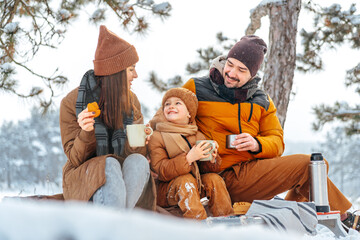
(271, 134)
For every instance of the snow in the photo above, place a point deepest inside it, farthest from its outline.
(148, 2)
(161, 7)
(126, 7)
(353, 8)
(11, 27)
(357, 68)
(6, 68)
(64, 14)
(266, 2)
(41, 148)
(336, 7)
(98, 13)
(189, 187)
(355, 20)
(43, 220)
(335, 20)
(187, 204)
(347, 111)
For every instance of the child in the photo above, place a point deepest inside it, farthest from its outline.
(174, 157)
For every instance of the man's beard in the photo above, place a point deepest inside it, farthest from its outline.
(234, 79)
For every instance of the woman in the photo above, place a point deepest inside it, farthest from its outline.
(101, 166)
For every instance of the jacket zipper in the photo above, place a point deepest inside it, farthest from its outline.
(251, 111)
(239, 119)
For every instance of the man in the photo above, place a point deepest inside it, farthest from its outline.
(230, 102)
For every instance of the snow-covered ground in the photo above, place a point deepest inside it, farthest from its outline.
(45, 220)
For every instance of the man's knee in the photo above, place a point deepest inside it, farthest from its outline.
(306, 159)
(298, 159)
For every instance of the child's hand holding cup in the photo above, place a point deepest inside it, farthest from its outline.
(211, 149)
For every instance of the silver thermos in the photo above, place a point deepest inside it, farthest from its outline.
(318, 183)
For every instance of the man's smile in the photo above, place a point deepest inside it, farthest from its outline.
(231, 79)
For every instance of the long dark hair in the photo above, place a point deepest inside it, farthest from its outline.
(114, 102)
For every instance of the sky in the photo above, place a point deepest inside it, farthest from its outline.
(170, 44)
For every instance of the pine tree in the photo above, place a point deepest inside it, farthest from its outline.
(27, 26)
(31, 152)
(332, 28)
(343, 154)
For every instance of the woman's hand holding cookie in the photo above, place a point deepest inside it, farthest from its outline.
(86, 120)
(86, 117)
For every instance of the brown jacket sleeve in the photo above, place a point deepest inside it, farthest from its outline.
(78, 144)
(167, 168)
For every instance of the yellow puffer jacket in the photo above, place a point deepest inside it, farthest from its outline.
(217, 117)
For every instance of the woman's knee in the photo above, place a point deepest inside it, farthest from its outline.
(137, 159)
(112, 163)
(136, 162)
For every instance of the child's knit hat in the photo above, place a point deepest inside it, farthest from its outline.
(187, 96)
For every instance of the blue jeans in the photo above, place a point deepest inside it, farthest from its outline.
(124, 185)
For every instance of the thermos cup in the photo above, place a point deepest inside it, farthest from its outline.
(318, 183)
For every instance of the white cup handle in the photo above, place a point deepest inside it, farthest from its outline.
(213, 145)
(152, 131)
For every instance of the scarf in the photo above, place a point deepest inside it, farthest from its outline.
(108, 141)
(232, 95)
(175, 143)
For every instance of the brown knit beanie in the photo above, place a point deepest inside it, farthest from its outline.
(250, 50)
(113, 54)
(187, 96)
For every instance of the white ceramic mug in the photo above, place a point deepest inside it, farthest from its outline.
(212, 146)
(136, 134)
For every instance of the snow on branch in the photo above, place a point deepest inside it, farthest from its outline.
(163, 8)
(11, 28)
(7, 68)
(260, 11)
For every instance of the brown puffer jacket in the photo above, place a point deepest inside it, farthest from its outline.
(84, 172)
(170, 168)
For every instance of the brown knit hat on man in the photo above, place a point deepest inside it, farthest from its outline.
(250, 50)
(187, 96)
(113, 54)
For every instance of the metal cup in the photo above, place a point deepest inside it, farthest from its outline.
(229, 139)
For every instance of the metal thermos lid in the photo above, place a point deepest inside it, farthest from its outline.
(316, 157)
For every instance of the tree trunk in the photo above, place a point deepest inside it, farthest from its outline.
(8, 169)
(281, 55)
